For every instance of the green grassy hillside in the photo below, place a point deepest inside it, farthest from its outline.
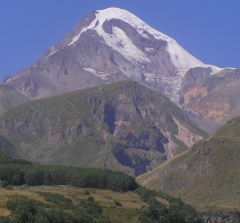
(207, 175)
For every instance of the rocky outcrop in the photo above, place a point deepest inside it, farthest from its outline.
(227, 218)
(194, 77)
(186, 136)
(217, 98)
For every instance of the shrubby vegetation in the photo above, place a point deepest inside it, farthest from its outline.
(32, 211)
(117, 203)
(177, 212)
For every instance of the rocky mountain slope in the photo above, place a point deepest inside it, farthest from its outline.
(207, 175)
(122, 126)
(111, 45)
(215, 97)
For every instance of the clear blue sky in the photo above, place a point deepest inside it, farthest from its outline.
(208, 29)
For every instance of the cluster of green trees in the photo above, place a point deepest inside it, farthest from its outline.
(31, 211)
(177, 212)
(19, 172)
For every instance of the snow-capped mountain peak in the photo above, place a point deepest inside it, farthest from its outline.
(179, 57)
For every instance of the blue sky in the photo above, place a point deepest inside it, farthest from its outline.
(208, 29)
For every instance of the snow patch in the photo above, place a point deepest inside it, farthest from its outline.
(180, 57)
(51, 53)
(129, 50)
(230, 68)
(100, 74)
(148, 49)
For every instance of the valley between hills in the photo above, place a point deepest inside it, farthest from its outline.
(118, 123)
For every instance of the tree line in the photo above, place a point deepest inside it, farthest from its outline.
(19, 172)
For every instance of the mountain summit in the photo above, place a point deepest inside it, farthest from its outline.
(111, 24)
(107, 46)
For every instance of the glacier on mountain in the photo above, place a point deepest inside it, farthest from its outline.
(179, 57)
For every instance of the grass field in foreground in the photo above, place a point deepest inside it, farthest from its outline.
(130, 201)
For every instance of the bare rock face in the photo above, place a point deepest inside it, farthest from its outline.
(216, 98)
(194, 77)
(227, 218)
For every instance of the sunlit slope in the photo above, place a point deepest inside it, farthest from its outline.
(207, 175)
